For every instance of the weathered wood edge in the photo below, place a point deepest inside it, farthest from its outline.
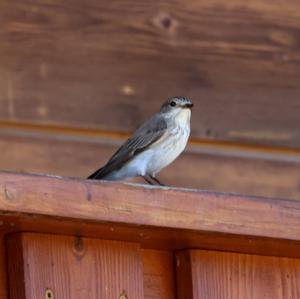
(149, 206)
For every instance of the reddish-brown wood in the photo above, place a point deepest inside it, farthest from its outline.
(110, 65)
(159, 275)
(151, 206)
(214, 274)
(77, 266)
(112, 210)
(74, 267)
(16, 268)
(3, 267)
(150, 237)
(184, 276)
(217, 168)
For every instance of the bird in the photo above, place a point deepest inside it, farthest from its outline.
(153, 146)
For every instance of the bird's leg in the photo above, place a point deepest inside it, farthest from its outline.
(156, 180)
(145, 177)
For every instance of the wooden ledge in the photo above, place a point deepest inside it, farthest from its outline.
(153, 216)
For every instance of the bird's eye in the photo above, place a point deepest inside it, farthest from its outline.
(173, 104)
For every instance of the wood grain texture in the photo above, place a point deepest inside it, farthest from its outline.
(150, 206)
(233, 276)
(157, 238)
(74, 267)
(159, 275)
(110, 65)
(208, 168)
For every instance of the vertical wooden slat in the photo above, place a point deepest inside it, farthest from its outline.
(15, 268)
(224, 275)
(3, 268)
(184, 275)
(75, 267)
(158, 272)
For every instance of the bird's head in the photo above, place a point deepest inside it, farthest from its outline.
(175, 105)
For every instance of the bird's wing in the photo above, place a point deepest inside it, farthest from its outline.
(146, 135)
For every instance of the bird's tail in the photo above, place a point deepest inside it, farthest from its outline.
(97, 175)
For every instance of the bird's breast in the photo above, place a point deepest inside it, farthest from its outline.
(166, 150)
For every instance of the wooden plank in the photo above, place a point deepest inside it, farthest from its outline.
(158, 207)
(158, 238)
(158, 273)
(74, 267)
(184, 276)
(110, 65)
(216, 168)
(232, 276)
(16, 268)
(3, 267)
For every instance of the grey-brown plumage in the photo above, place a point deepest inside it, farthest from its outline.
(148, 133)
(139, 155)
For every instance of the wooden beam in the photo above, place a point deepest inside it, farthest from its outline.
(157, 238)
(147, 205)
(110, 65)
(182, 217)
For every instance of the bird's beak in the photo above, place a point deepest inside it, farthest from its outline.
(189, 105)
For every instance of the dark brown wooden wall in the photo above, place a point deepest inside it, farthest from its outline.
(76, 75)
(110, 65)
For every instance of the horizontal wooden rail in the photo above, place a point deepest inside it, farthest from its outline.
(154, 216)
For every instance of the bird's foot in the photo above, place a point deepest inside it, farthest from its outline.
(147, 179)
(151, 180)
(156, 180)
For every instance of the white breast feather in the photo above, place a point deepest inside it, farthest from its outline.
(171, 145)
